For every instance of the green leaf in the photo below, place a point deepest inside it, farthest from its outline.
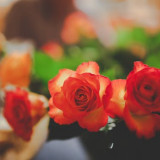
(153, 43)
(139, 35)
(127, 37)
(45, 67)
(111, 73)
(123, 37)
(153, 60)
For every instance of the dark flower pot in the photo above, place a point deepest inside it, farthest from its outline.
(121, 144)
(117, 144)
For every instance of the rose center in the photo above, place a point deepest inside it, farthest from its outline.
(81, 97)
(19, 111)
(147, 87)
(85, 99)
(147, 92)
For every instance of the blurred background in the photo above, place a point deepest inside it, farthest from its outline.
(64, 33)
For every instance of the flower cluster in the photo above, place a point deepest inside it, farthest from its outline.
(86, 97)
(23, 110)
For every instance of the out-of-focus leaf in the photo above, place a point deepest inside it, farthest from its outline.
(139, 35)
(154, 43)
(123, 37)
(127, 37)
(90, 54)
(110, 73)
(153, 60)
(45, 68)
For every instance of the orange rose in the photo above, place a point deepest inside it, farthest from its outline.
(15, 69)
(78, 96)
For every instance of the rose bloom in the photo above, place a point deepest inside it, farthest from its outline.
(77, 96)
(23, 110)
(15, 69)
(142, 108)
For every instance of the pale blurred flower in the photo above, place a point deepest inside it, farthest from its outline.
(5, 3)
(18, 46)
(5, 6)
(76, 26)
(139, 13)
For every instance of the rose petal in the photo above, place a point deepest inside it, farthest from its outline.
(104, 83)
(144, 125)
(61, 103)
(38, 109)
(117, 102)
(138, 66)
(56, 83)
(94, 120)
(57, 114)
(88, 67)
(93, 80)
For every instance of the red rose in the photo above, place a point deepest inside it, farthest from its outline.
(142, 108)
(17, 111)
(77, 96)
(23, 110)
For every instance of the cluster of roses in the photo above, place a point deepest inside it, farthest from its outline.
(22, 109)
(86, 97)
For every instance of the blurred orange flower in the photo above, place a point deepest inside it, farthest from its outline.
(53, 49)
(118, 22)
(76, 25)
(15, 69)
